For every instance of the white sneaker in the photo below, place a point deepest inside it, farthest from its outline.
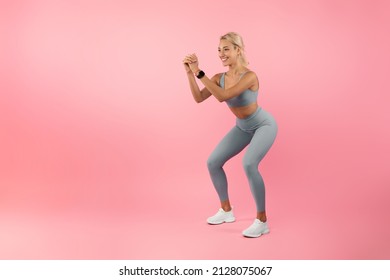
(221, 217)
(256, 229)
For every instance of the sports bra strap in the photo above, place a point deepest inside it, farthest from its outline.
(243, 75)
(222, 80)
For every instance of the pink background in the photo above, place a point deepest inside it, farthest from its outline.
(103, 151)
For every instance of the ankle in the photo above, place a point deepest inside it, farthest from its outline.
(261, 216)
(225, 205)
(227, 208)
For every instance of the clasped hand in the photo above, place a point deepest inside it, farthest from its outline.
(191, 63)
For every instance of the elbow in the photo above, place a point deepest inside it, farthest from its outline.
(220, 99)
(198, 100)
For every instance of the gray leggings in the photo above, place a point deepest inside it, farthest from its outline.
(259, 131)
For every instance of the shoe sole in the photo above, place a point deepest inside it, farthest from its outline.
(225, 221)
(255, 236)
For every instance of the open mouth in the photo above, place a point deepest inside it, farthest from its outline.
(224, 59)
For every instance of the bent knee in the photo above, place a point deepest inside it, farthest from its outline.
(213, 162)
(250, 165)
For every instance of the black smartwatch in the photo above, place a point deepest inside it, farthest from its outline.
(200, 74)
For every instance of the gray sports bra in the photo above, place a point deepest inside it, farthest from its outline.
(245, 98)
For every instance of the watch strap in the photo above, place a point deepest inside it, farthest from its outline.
(200, 74)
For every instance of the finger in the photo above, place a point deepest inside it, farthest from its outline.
(192, 58)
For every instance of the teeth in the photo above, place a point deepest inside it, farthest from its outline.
(223, 59)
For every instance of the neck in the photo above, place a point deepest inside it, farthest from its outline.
(236, 69)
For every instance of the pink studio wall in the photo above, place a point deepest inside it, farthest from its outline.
(100, 137)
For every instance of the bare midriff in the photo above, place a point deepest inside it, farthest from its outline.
(244, 111)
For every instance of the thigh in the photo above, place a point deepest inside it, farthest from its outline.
(233, 143)
(260, 144)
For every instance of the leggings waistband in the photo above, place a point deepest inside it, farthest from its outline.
(259, 118)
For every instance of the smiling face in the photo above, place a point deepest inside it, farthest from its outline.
(228, 53)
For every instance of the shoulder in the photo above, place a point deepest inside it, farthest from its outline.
(250, 74)
(250, 78)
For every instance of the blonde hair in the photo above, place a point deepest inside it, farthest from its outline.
(237, 42)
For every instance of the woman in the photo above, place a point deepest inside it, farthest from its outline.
(254, 128)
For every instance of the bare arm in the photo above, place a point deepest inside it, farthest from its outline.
(200, 95)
